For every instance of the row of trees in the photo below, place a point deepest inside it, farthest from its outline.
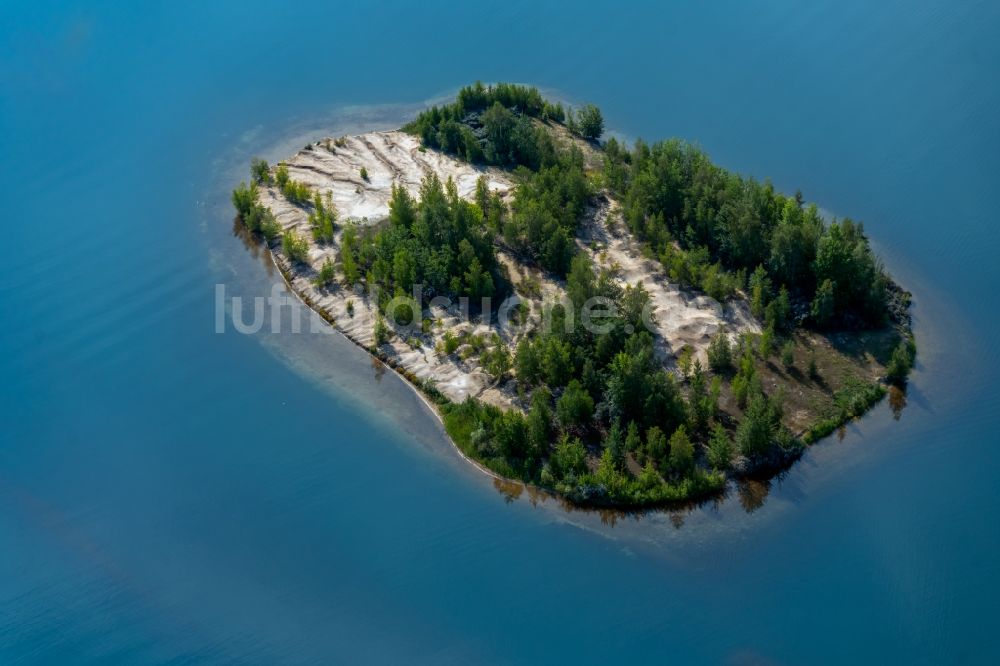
(713, 229)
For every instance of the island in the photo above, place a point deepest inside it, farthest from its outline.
(620, 326)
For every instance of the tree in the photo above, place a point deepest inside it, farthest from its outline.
(244, 199)
(556, 361)
(569, 460)
(901, 362)
(527, 362)
(614, 446)
(765, 345)
(260, 171)
(404, 269)
(656, 446)
(633, 443)
(760, 291)
(402, 209)
(347, 261)
(497, 361)
(540, 420)
(326, 273)
(824, 303)
(381, 332)
(681, 450)
(575, 407)
(581, 282)
(295, 247)
(720, 353)
(788, 354)
(590, 122)
(720, 449)
(756, 431)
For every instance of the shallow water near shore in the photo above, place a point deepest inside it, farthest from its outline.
(168, 493)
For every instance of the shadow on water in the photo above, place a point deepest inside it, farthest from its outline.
(254, 245)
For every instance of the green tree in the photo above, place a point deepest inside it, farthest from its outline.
(569, 460)
(633, 442)
(260, 171)
(824, 303)
(656, 446)
(402, 208)
(788, 354)
(575, 407)
(581, 283)
(540, 421)
(590, 122)
(720, 449)
(681, 450)
(757, 429)
(326, 273)
(295, 247)
(404, 269)
(720, 353)
(614, 446)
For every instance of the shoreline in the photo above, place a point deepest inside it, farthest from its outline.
(445, 379)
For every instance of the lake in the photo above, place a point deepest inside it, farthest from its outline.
(170, 494)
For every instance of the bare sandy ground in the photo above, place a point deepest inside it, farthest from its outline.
(394, 157)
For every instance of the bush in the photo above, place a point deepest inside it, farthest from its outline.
(326, 273)
(295, 247)
(322, 219)
(364, 174)
(381, 332)
(901, 362)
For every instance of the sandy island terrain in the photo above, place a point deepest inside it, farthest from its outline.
(333, 166)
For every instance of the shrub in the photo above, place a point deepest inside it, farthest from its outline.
(260, 171)
(813, 370)
(322, 219)
(497, 361)
(269, 227)
(350, 307)
(451, 342)
(281, 175)
(326, 273)
(364, 174)
(381, 332)
(244, 199)
(295, 247)
(901, 362)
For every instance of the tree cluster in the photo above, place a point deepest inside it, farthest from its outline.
(716, 230)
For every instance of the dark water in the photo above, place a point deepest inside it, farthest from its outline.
(168, 494)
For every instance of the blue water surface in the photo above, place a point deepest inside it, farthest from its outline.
(170, 494)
